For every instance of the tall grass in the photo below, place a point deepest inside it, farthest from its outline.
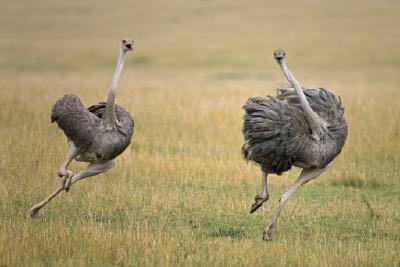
(180, 194)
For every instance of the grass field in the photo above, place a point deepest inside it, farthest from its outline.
(180, 194)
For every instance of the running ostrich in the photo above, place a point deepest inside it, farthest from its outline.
(97, 134)
(299, 127)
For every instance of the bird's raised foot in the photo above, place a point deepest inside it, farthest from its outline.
(267, 234)
(258, 201)
(66, 183)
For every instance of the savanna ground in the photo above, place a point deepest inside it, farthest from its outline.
(180, 194)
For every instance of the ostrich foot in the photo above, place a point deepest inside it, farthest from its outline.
(32, 212)
(258, 201)
(267, 234)
(66, 183)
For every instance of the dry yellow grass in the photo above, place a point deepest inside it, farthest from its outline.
(179, 196)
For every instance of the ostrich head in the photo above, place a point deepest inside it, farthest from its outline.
(127, 44)
(279, 54)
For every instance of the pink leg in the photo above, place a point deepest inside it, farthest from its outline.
(72, 153)
(305, 176)
(94, 168)
(263, 197)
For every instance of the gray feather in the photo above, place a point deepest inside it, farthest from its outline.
(87, 129)
(78, 124)
(277, 135)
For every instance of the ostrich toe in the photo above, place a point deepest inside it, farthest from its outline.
(258, 201)
(66, 183)
(267, 234)
(32, 213)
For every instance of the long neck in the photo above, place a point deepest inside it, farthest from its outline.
(311, 116)
(110, 117)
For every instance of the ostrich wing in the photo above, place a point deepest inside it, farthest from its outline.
(78, 124)
(329, 108)
(125, 121)
(99, 110)
(124, 127)
(269, 127)
(326, 104)
(277, 134)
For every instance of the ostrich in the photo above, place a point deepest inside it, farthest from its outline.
(96, 135)
(299, 127)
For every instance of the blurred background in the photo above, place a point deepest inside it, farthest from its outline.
(82, 36)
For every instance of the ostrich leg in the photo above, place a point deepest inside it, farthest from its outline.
(32, 212)
(94, 168)
(305, 176)
(263, 197)
(72, 153)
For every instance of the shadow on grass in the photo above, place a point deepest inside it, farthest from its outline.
(210, 225)
(355, 182)
(231, 232)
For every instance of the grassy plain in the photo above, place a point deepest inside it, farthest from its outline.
(180, 194)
